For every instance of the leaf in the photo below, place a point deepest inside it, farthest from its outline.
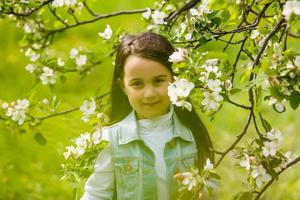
(266, 124)
(63, 79)
(224, 14)
(244, 196)
(235, 91)
(295, 100)
(246, 75)
(40, 139)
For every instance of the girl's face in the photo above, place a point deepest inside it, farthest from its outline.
(145, 82)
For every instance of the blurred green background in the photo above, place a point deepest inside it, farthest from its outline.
(31, 171)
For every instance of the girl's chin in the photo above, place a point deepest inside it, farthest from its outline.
(150, 114)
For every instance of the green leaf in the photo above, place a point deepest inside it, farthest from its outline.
(63, 79)
(40, 139)
(295, 100)
(266, 124)
(243, 196)
(224, 14)
(235, 91)
(246, 75)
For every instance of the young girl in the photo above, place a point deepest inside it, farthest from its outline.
(150, 140)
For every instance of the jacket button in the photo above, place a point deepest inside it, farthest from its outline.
(127, 167)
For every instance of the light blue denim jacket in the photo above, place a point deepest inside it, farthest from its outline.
(133, 161)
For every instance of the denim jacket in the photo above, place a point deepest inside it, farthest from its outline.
(133, 161)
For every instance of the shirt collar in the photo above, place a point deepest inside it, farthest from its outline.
(129, 129)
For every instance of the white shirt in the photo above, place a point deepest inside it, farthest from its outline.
(156, 133)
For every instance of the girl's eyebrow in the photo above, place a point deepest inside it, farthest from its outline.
(158, 76)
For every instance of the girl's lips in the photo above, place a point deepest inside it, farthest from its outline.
(150, 104)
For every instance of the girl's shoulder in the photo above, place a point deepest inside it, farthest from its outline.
(107, 130)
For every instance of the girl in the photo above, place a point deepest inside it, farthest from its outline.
(150, 140)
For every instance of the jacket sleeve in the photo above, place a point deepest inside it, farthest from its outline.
(100, 185)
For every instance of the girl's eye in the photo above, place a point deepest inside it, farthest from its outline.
(137, 84)
(158, 81)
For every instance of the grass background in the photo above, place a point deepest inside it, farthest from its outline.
(31, 171)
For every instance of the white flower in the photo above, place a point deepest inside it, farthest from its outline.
(28, 28)
(208, 165)
(73, 52)
(58, 3)
(275, 135)
(178, 56)
(189, 180)
(22, 104)
(79, 151)
(228, 85)
(18, 110)
(269, 149)
(81, 60)
(34, 57)
(45, 101)
(48, 76)
(70, 150)
(254, 34)
(291, 7)
(258, 170)
(158, 17)
(212, 62)
(203, 9)
(188, 36)
(70, 2)
(107, 34)
(214, 85)
(147, 14)
(210, 101)
(88, 108)
(96, 137)
(194, 12)
(30, 68)
(181, 87)
(4, 105)
(19, 116)
(179, 90)
(183, 27)
(60, 62)
(262, 179)
(297, 62)
(245, 162)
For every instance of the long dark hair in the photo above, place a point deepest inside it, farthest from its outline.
(154, 47)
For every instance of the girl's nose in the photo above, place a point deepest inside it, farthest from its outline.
(149, 93)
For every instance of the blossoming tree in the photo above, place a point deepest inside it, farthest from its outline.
(254, 61)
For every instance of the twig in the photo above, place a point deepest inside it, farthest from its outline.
(277, 175)
(239, 137)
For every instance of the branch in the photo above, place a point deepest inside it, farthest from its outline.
(173, 16)
(239, 105)
(277, 175)
(27, 14)
(98, 17)
(239, 137)
(237, 59)
(265, 42)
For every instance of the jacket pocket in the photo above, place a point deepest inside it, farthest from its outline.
(127, 177)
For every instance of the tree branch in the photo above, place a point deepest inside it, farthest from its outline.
(295, 161)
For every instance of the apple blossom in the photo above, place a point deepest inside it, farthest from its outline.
(178, 56)
(107, 34)
(48, 76)
(88, 108)
(158, 17)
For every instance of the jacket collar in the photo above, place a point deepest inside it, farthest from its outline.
(129, 129)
